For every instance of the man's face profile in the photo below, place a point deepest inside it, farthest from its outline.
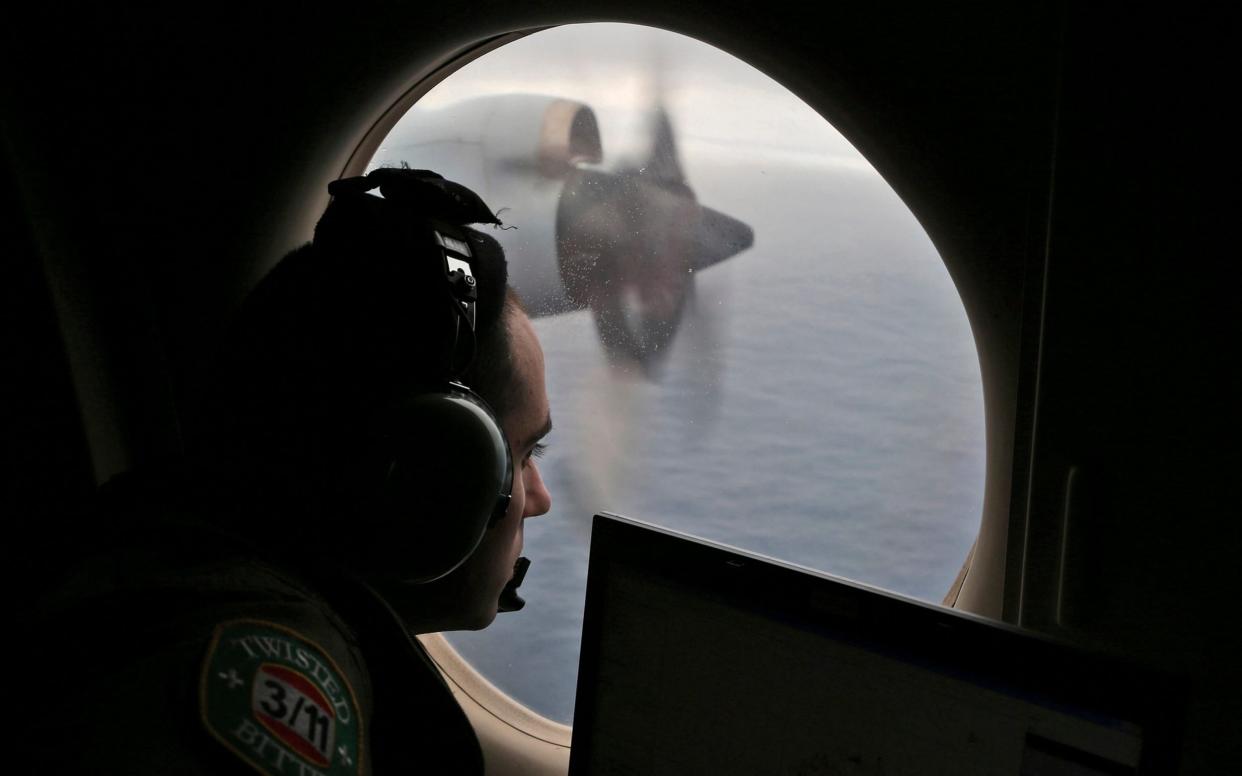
(470, 594)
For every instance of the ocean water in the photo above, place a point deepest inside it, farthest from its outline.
(822, 404)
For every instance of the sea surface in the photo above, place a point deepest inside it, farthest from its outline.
(822, 404)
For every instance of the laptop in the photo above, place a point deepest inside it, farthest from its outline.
(698, 658)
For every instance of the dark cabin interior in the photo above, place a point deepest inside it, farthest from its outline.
(1073, 165)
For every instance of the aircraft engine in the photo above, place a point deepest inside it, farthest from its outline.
(624, 243)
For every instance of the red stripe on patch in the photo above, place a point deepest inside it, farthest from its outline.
(300, 683)
(295, 741)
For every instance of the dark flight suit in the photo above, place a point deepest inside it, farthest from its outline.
(176, 650)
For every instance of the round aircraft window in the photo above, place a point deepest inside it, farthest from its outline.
(748, 335)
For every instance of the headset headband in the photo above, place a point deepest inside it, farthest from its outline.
(444, 205)
(463, 290)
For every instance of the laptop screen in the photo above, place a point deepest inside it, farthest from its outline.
(703, 659)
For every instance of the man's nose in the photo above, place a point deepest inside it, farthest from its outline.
(538, 499)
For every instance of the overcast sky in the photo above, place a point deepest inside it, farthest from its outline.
(713, 97)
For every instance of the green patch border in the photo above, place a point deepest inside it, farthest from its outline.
(206, 670)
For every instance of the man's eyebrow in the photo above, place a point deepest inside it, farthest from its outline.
(543, 431)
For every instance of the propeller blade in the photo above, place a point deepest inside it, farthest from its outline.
(718, 237)
(663, 163)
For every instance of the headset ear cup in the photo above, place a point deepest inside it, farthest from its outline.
(447, 466)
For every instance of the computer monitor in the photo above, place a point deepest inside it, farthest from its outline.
(704, 659)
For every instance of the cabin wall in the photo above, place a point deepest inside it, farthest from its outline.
(48, 477)
(1130, 544)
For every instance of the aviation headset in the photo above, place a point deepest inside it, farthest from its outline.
(437, 471)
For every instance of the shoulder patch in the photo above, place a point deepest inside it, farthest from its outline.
(279, 702)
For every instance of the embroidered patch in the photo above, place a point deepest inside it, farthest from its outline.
(279, 702)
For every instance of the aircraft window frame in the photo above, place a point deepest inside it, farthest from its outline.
(490, 709)
(486, 704)
(417, 86)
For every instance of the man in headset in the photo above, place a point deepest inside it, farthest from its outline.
(365, 465)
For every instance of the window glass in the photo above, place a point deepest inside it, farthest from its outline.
(748, 335)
